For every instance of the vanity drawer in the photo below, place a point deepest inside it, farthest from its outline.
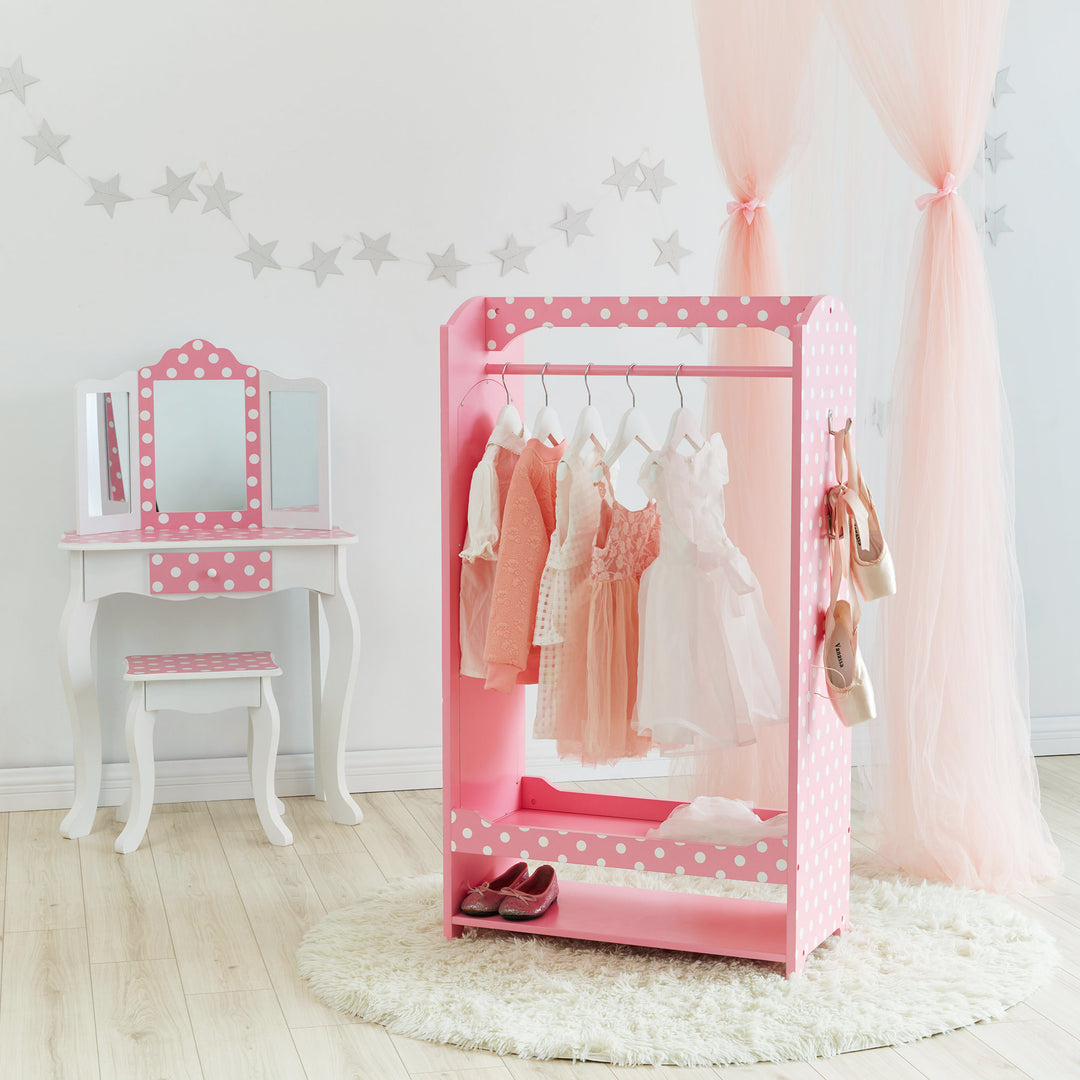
(211, 571)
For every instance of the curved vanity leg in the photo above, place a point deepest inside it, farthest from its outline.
(264, 727)
(316, 691)
(77, 672)
(139, 731)
(344, 633)
(123, 811)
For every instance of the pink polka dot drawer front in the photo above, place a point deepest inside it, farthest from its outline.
(765, 861)
(208, 572)
(153, 665)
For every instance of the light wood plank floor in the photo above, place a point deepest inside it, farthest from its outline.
(177, 961)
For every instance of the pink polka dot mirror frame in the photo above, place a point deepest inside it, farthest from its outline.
(198, 360)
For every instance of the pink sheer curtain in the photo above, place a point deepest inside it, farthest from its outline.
(959, 797)
(753, 63)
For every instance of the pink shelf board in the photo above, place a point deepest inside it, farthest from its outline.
(718, 925)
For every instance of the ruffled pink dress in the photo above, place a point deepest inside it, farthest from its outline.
(598, 685)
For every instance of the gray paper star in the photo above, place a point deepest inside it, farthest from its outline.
(697, 332)
(176, 189)
(995, 150)
(376, 252)
(671, 254)
(107, 193)
(1001, 86)
(512, 256)
(625, 177)
(13, 80)
(218, 196)
(46, 143)
(261, 256)
(995, 224)
(321, 263)
(447, 265)
(574, 224)
(654, 180)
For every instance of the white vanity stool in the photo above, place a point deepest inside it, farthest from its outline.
(201, 683)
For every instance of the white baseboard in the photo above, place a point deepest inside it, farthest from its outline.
(52, 787)
(1053, 735)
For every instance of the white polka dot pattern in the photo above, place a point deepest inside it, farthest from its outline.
(509, 316)
(762, 862)
(208, 572)
(178, 665)
(818, 886)
(200, 360)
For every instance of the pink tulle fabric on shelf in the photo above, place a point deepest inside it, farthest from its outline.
(959, 797)
(753, 64)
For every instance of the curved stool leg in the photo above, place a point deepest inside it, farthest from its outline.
(264, 728)
(139, 730)
(277, 802)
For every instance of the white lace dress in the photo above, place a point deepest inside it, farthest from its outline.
(708, 655)
(577, 514)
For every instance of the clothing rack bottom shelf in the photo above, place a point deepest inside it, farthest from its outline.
(687, 922)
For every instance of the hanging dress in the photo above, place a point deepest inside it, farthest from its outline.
(479, 556)
(597, 690)
(527, 524)
(577, 514)
(708, 656)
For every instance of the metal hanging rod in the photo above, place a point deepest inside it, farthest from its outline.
(770, 371)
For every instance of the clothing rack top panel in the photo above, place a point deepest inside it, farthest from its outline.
(509, 316)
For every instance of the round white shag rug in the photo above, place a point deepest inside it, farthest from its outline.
(920, 958)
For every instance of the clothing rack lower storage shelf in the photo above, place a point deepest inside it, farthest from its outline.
(495, 815)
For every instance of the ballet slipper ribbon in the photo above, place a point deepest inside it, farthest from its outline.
(748, 207)
(948, 187)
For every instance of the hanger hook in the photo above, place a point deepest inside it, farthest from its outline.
(682, 404)
(503, 377)
(633, 396)
(544, 384)
(588, 392)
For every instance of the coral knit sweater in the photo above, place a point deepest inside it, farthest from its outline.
(527, 524)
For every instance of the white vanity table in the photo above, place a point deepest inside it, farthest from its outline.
(204, 476)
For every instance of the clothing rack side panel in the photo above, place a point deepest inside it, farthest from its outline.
(483, 732)
(819, 799)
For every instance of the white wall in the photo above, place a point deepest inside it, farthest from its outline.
(439, 123)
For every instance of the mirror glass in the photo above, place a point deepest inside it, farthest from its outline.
(294, 450)
(108, 453)
(200, 448)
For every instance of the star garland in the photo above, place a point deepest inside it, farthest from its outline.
(994, 153)
(637, 176)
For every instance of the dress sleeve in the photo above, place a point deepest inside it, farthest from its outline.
(523, 548)
(482, 534)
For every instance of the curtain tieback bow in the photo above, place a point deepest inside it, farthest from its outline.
(748, 207)
(948, 187)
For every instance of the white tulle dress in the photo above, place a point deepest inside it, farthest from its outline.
(708, 655)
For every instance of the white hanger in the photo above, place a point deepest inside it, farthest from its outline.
(633, 425)
(589, 427)
(546, 427)
(683, 424)
(509, 419)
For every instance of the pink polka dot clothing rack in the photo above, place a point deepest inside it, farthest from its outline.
(495, 814)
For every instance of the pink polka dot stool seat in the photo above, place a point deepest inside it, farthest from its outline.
(214, 665)
(201, 683)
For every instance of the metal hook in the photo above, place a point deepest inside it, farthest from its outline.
(682, 404)
(588, 392)
(544, 384)
(633, 396)
(503, 377)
